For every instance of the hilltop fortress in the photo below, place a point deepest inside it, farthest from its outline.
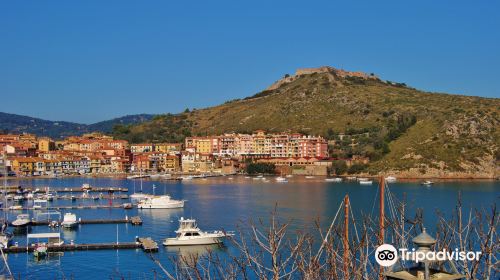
(334, 72)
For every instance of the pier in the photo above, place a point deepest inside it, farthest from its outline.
(12, 189)
(136, 220)
(146, 244)
(68, 207)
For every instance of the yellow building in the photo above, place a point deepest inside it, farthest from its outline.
(46, 144)
(167, 147)
(170, 163)
(22, 165)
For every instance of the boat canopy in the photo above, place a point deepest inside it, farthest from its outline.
(44, 235)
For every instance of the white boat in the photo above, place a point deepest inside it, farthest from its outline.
(18, 198)
(390, 179)
(86, 187)
(9, 197)
(138, 176)
(281, 179)
(69, 220)
(309, 177)
(40, 251)
(22, 220)
(337, 180)
(39, 204)
(139, 196)
(185, 178)
(160, 202)
(427, 183)
(5, 239)
(155, 176)
(289, 176)
(16, 207)
(189, 234)
(365, 182)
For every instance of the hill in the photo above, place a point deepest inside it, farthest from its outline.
(401, 129)
(13, 123)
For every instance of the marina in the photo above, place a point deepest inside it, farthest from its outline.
(110, 240)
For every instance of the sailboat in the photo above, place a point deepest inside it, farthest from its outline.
(139, 195)
(5, 237)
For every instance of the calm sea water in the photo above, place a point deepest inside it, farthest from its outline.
(219, 203)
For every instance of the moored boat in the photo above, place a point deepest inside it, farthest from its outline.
(281, 179)
(427, 183)
(69, 221)
(189, 234)
(160, 202)
(40, 251)
(337, 180)
(390, 179)
(365, 182)
(22, 220)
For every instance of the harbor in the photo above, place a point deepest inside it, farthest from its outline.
(218, 203)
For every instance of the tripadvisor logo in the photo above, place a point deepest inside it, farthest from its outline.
(387, 255)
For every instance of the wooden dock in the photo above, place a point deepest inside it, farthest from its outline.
(136, 220)
(148, 244)
(145, 243)
(69, 207)
(12, 189)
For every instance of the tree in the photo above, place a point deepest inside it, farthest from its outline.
(261, 168)
(339, 167)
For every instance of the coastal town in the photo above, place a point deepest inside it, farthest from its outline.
(230, 153)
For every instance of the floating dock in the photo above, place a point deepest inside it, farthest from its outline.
(12, 189)
(69, 207)
(146, 244)
(136, 220)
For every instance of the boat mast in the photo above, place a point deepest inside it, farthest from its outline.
(381, 218)
(346, 237)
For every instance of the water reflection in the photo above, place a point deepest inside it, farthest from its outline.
(192, 252)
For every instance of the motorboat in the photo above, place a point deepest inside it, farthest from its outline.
(186, 178)
(281, 179)
(365, 182)
(289, 176)
(50, 196)
(40, 251)
(160, 202)
(336, 180)
(18, 198)
(39, 204)
(427, 183)
(69, 221)
(86, 187)
(127, 206)
(390, 179)
(189, 234)
(16, 207)
(5, 239)
(9, 197)
(309, 177)
(22, 220)
(139, 196)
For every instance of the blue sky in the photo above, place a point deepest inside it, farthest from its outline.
(87, 61)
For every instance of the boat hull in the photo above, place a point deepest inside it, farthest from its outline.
(193, 241)
(172, 205)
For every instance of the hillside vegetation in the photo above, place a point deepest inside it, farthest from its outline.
(400, 128)
(12, 123)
